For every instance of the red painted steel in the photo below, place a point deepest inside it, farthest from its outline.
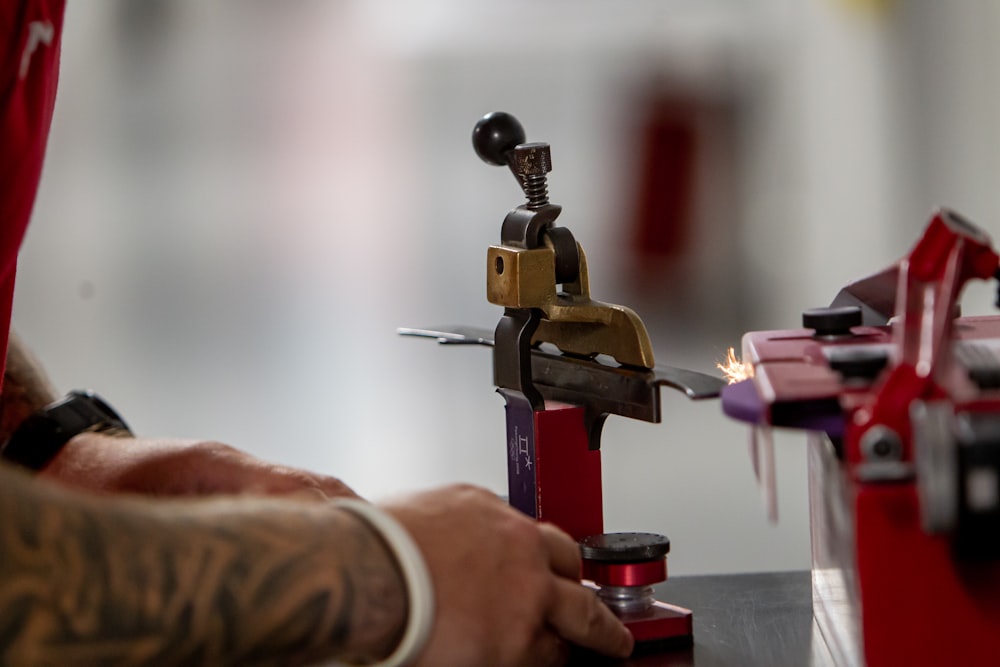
(659, 622)
(568, 472)
(919, 606)
(914, 601)
(626, 574)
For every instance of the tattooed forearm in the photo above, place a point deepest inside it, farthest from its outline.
(26, 387)
(87, 580)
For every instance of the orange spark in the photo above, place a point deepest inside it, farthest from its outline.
(735, 370)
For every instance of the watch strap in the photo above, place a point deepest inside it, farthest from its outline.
(42, 435)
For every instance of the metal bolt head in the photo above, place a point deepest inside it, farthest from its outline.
(534, 159)
(880, 443)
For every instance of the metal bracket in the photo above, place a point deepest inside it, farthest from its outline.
(604, 389)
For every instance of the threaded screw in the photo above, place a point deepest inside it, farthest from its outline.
(532, 162)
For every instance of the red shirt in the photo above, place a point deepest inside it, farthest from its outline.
(31, 34)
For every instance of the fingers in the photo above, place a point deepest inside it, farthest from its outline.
(576, 614)
(549, 650)
(563, 552)
(579, 617)
(334, 488)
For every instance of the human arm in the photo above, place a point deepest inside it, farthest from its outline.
(507, 587)
(26, 386)
(111, 462)
(171, 467)
(86, 579)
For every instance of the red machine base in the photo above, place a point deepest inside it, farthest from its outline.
(660, 623)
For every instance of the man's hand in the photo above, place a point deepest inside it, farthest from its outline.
(109, 463)
(507, 588)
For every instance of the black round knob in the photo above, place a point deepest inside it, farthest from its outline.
(495, 135)
(624, 547)
(832, 321)
(859, 362)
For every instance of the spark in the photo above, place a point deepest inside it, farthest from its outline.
(733, 369)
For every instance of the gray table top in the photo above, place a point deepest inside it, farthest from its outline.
(760, 619)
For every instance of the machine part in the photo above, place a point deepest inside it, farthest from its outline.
(624, 567)
(950, 253)
(627, 599)
(832, 322)
(625, 548)
(644, 573)
(573, 322)
(982, 363)
(765, 468)
(919, 604)
(567, 254)
(552, 473)
(520, 278)
(604, 389)
(881, 443)
(885, 472)
(977, 534)
(564, 370)
(512, 353)
(525, 228)
(882, 454)
(875, 295)
(741, 401)
(522, 460)
(556, 403)
(906, 516)
(858, 363)
(834, 573)
(499, 139)
(452, 334)
(526, 270)
(495, 136)
(935, 453)
(662, 626)
(532, 162)
(554, 259)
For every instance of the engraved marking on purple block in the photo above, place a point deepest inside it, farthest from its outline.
(521, 480)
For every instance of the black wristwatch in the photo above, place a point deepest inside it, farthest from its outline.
(42, 435)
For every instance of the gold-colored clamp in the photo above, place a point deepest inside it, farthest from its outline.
(573, 322)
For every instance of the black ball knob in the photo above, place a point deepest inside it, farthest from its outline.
(832, 321)
(495, 135)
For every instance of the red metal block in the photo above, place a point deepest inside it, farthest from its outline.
(568, 473)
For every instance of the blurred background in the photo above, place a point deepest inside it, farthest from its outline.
(243, 200)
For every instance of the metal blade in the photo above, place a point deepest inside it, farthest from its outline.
(458, 334)
(694, 384)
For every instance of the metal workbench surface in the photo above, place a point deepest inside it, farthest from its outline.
(744, 620)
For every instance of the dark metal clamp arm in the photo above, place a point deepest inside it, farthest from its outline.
(604, 389)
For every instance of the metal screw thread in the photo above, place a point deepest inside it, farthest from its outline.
(531, 163)
(536, 189)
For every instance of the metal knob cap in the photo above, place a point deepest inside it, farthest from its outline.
(832, 321)
(495, 135)
(624, 547)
